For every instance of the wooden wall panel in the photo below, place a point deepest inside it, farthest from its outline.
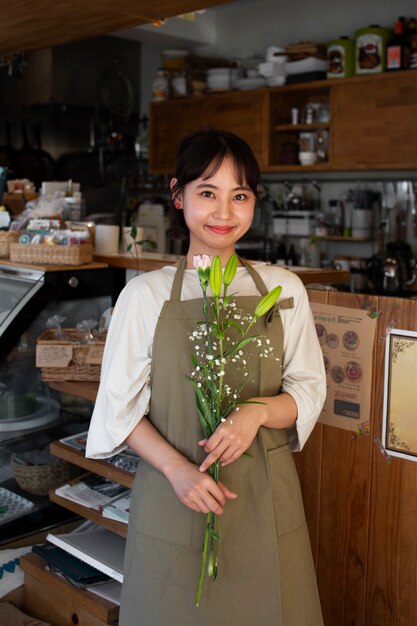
(308, 463)
(392, 562)
(362, 510)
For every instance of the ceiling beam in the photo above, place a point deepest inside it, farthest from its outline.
(27, 25)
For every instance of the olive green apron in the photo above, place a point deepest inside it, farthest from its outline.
(266, 574)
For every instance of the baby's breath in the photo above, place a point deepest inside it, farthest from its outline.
(222, 352)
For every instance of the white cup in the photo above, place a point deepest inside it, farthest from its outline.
(135, 249)
(107, 239)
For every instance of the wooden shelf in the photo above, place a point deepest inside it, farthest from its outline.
(83, 389)
(341, 238)
(317, 167)
(284, 128)
(91, 514)
(102, 468)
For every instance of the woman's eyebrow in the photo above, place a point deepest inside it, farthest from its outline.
(211, 186)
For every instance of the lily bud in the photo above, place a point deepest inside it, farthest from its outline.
(216, 277)
(230, 270)
(267, 302)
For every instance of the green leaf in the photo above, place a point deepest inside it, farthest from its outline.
(149, 242)
(216, 277)
(267, 302)
(230, 270)
(133, 231)
(241, 344)
(234, 324)
(203, 407)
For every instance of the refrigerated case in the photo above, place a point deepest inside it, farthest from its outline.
(32, 414)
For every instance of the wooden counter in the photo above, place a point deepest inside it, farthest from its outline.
(94, 265)
(149, 261)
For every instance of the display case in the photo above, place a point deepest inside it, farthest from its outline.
(31, 413)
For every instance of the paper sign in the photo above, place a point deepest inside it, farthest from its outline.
(346, 337)
(53, 355)
(95, 354)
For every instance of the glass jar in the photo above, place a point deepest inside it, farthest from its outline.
(160, 86)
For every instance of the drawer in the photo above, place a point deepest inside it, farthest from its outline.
(49, 597)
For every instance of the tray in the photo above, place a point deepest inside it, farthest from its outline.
(57, 255)
(68, 359)
(12, 506)
(7, 238)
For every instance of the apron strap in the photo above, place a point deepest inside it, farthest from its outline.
(286, 303)
(177, 282)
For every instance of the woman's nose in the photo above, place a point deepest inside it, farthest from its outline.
(223, 209)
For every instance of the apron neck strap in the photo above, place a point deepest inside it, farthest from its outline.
(179, 275)
(177, 283)
(260, 285)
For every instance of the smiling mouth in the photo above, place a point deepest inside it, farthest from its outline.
(220, 230)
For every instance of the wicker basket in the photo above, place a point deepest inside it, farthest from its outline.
(6, 238)
(57, 255)
(83, 361)
(38, 479)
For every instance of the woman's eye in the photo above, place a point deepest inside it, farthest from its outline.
(207, 194)
(240, 197)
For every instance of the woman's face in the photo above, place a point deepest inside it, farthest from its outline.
(218, 212)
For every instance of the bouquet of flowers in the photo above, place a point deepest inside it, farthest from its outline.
(219, 341)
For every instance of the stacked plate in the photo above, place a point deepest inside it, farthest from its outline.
(221, 78)
(252, 82)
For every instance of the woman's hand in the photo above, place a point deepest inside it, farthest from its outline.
(198, 491)
(234, 436)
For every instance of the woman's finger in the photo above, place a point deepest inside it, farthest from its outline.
(231, 495)
(214, 455)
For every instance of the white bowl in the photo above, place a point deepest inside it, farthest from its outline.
(223, 71)
(307, 158)
(310, 64)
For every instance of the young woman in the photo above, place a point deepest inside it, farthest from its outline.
(145, 401)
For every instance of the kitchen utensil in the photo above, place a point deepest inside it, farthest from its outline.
(412, 204)
(399, 264)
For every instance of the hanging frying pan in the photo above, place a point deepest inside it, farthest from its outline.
(48, 163)
(7, 152)
(116, 92)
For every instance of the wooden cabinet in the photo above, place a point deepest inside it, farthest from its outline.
(372, 124)
(170, 121)
(375, 122)
(243, 113)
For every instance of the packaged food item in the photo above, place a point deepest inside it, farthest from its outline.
(398, 48)
(160, 86)
(370, 49)
(341, 58)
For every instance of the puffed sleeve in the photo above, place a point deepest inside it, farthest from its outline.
(124, 391)
(303, 375)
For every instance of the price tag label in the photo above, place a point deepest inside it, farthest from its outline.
(53, 355)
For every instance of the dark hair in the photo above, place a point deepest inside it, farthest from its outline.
(202, 153)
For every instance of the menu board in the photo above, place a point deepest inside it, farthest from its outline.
(346, 338)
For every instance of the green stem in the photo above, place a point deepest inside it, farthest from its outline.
(203, 561)
(210, 543)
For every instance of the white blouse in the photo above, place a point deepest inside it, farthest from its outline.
(124, 394)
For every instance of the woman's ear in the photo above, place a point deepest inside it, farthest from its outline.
(176, 198)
